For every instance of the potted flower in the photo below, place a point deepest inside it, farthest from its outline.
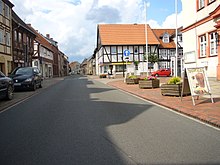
(149, 82)
(133, 79)
(174, 87)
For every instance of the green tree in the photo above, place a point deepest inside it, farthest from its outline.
(152, 58)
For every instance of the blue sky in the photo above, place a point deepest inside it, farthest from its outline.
(73, 23)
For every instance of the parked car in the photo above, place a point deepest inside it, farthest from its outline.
(162, 72)
(27, 78)
(6, 87)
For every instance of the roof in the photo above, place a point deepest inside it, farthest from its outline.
(21, 23)
(126, 34)
(43, 41)
(159, 34)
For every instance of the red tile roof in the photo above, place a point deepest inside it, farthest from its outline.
(126, 34)
(43, 41)
(159, 33)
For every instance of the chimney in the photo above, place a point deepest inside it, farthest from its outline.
(48, 35)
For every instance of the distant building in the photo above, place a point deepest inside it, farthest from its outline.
(5, 36)
(63, 64)
(75, 67)
(83, 67)
(201, 35)
(43, 55)
(55, 50)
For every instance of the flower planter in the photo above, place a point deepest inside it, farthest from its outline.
(131, 81)
(174, 90)
(149, 83)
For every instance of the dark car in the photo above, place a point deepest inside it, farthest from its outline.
(6, 87)
(162, 72)
(26, 78)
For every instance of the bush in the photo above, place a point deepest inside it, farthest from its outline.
(174, 80)
(132, 77)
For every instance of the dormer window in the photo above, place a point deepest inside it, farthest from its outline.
(166, 38)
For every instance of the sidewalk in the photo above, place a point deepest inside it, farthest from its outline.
(204, 110)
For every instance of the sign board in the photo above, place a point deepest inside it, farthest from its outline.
(198, 82)
(126, 53)
(190, 57)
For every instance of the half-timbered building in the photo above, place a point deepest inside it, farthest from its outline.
(43, 55)
(114, 40)
(23, 42)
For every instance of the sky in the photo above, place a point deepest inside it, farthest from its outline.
(73, 23)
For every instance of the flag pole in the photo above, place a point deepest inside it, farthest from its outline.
(176, 57)
(145, 5)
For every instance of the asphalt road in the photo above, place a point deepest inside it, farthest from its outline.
(80, 121)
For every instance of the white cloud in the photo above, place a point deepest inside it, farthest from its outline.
(73, 23)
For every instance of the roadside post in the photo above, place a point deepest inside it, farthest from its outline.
(126, 58)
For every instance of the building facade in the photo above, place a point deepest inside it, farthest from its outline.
(22, 42)
(114, 40)
(43, 55)
(201, 31)
(75, 67)
(55, 50)
(5, 36)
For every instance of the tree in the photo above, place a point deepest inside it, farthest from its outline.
(152, 58)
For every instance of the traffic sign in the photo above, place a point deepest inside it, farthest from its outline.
(126, 53)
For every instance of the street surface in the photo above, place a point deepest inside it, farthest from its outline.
(80, 121)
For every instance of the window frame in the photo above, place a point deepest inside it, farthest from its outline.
(166, 38)
(213, 46)
(1, 7)
(113, 50)
(1, 36)
(7, 38)
(7, 11)
(202, 46)
(200, 6)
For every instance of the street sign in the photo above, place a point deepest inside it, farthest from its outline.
(126, 53)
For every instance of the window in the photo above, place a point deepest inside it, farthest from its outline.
(213, 44)
(7, 11)
(113, 49)
(7, 39)
(203, 46)
(166, 38)
(1, 7)
(1, 36)
(15, 35)
(211, 1)
(201, 3)
(119, 68)
(19, 37)
(136, 50)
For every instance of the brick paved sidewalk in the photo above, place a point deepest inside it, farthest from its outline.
(204, 110)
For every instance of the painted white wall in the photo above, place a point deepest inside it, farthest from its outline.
(190, 38)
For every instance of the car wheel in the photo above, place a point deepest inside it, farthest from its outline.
(34, 87)
(9, 94)
(40, 86)
(156, 75)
